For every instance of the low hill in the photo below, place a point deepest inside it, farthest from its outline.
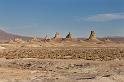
(6, 36)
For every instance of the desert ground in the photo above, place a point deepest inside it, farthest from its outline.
(62, 62)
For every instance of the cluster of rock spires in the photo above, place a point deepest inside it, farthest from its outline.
(92, 36)
(58, 37)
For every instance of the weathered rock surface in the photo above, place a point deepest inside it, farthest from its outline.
(47, 38)
(92, 36)
(107, 40)
(69, 36)
(18, 40)
(57, 36)
(34, 40)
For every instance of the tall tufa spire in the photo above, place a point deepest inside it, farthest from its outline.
(92, 36)
(57, 37)
(69, 36)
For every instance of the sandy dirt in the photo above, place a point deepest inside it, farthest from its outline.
(48, 70)
(76, 62)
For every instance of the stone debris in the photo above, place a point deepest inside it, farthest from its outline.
(98, 54)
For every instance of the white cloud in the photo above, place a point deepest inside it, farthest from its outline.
(106, 17)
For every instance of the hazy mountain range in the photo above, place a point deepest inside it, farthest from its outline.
(6, 36)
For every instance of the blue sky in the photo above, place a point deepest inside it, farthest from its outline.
(40, 17)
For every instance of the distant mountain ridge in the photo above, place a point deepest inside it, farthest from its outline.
(5, 36)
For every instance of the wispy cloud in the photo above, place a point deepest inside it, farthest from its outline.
(106, 17)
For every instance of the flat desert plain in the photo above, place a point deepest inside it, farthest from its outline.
(72, 63)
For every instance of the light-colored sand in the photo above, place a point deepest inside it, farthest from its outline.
(61, 70)
(47, 70)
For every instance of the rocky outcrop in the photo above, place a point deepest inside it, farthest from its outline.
(107, 40)
(11, 41)
(92, 36)
(57, 37)
(47, 38)
(18, 40)
(69, 36)
(34, 40)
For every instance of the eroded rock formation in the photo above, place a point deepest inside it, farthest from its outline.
(18, 40)
(34, 40)
(69, 36)
(107, 40)
(11, 41)
(92, 36)
(47, 38)
(57, 36)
